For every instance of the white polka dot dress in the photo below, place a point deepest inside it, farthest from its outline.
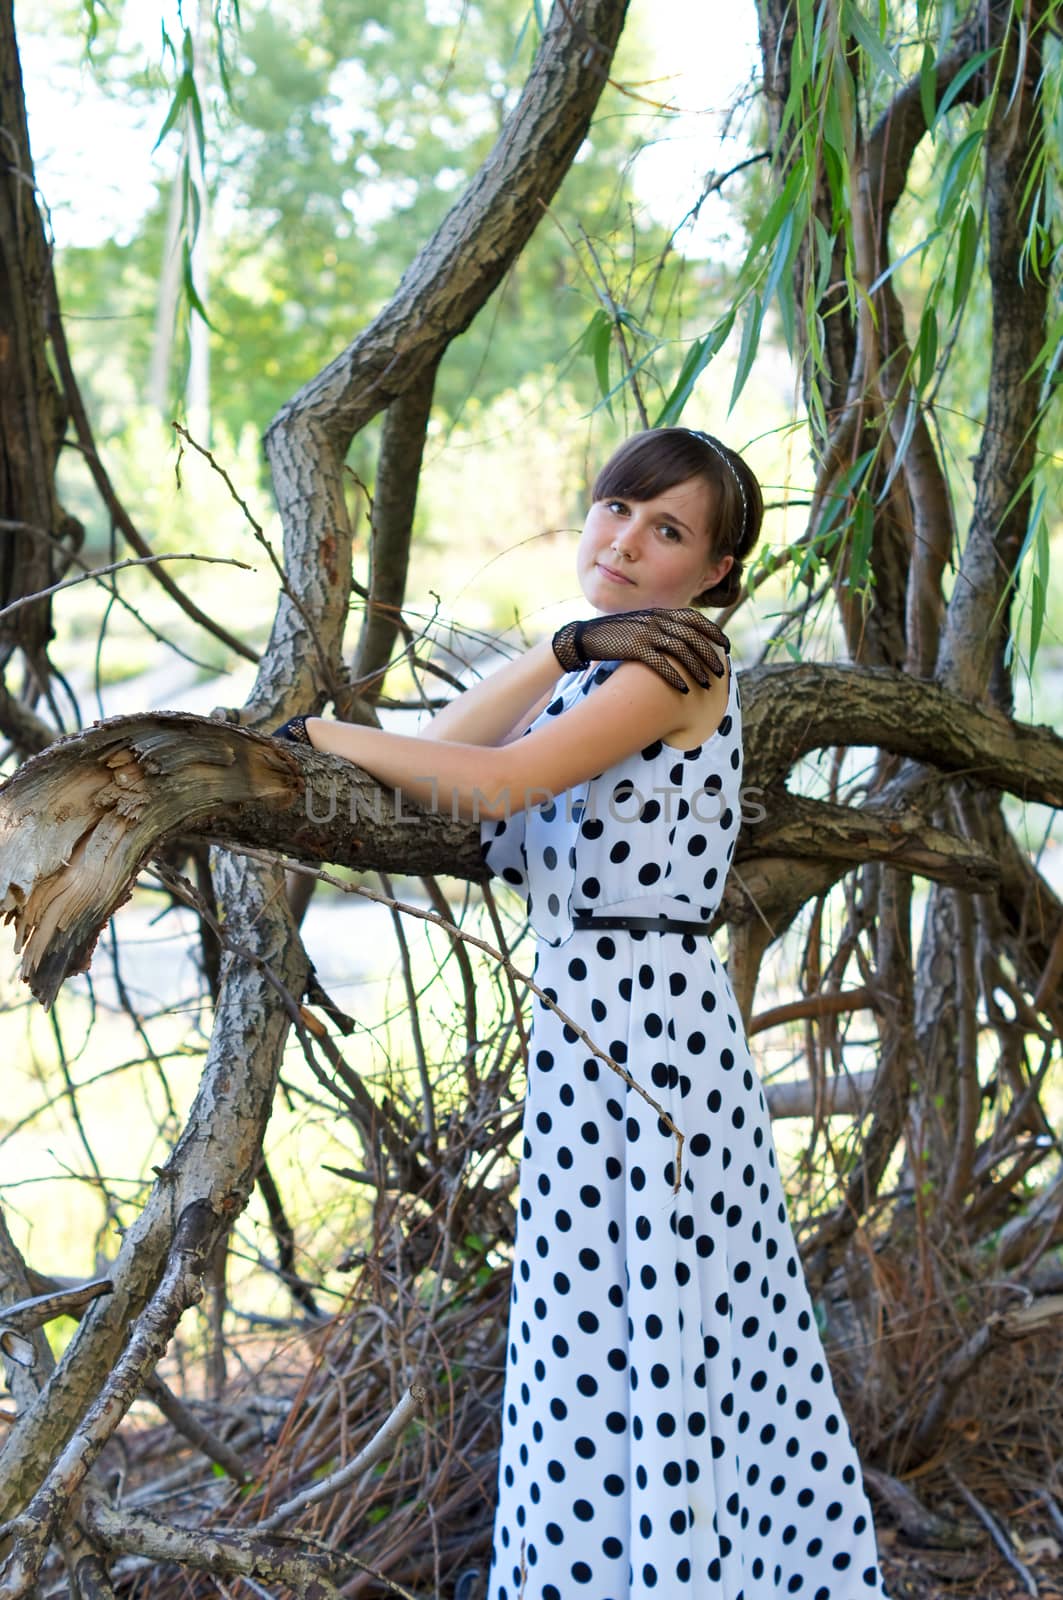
(669, 1425)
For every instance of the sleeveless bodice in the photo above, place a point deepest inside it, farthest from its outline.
(655, 833)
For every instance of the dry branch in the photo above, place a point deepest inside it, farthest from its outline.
(28, 1314)
(178, 1289)
(996, 1532)
(920, 1526)
(177, 1413)
(844, 1095)
(225, 1553)
(383, 1440)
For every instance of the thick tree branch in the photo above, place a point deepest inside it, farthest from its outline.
(25, 1375)
(214, 1163)
(844, 1095)
(32, 416)
(113, 794)
(28, 732)
(897, 134)
(884, 166)
(815, 830)
(467, 257)
(131, 782)
(790, 710)
(976, 631)
(41, 1308)
(394, 503)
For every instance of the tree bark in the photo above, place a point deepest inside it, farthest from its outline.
(32, 415)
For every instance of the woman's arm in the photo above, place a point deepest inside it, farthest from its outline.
(489, 711)
(629, 710)
(527, 717)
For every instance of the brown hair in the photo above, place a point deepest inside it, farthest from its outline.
(649, 463)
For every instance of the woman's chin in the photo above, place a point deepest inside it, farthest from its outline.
(606, 595)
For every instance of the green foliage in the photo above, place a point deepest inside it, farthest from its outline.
(91, 9)
(185, 115)
(596, 342)
(697, 359)
(333, 139)
(848, 63)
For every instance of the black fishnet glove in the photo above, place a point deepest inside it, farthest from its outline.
(295, 730)
(650, 636)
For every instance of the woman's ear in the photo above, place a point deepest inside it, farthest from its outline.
(715, 573)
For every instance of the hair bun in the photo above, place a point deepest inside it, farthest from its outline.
(726, 592)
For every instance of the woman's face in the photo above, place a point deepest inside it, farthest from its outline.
(638, 553)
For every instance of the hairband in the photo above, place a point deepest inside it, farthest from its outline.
(729, 464)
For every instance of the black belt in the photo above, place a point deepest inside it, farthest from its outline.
(657, 924)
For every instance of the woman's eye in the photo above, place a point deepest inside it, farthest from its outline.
(617, 505)
(666, 527)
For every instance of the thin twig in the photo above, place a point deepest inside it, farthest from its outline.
(386, 1435)
(996, 1532)
(116, 566)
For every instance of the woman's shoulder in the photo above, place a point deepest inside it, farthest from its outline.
(701, 709)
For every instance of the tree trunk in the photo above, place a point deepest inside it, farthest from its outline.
(34, 528)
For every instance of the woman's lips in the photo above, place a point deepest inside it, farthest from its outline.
(609, 573)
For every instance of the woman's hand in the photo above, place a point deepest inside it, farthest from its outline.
(649, 636)
(294, 729)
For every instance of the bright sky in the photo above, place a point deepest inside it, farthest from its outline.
(93, 154)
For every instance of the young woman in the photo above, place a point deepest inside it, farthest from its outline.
(669, 1425)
